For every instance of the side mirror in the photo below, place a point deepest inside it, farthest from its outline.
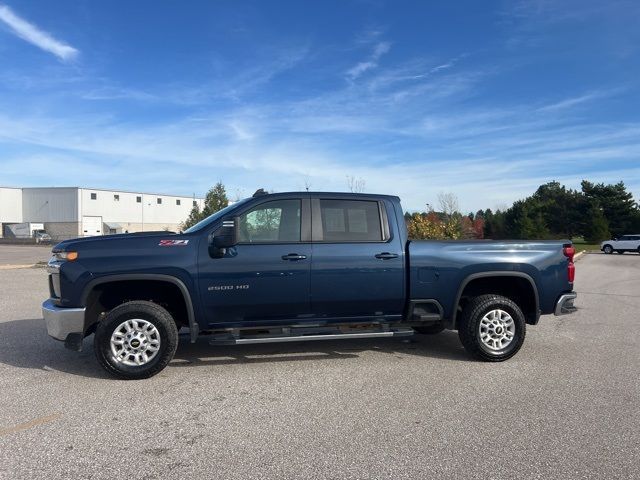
(224, 237)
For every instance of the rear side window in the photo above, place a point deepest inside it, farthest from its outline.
(271, 222)
(350, 221)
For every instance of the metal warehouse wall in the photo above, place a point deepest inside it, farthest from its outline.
(10, 205)
(50, 204)
(126, 208)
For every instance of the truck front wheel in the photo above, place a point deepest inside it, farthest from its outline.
(492, 328)
(136, 340)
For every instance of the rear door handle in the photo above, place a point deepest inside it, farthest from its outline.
(386, 255)
(293, 257)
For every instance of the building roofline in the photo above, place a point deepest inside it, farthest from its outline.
(109, 190)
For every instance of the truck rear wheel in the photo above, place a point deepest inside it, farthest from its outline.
(136, 340)
(492, 328)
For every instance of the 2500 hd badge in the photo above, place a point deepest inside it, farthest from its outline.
(217, 288)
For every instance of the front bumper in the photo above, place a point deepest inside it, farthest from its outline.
(62, 322)
(564, 305)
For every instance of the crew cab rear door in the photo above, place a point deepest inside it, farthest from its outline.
(265, 277)
(358, 259)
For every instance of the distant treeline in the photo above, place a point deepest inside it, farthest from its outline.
(595, 212)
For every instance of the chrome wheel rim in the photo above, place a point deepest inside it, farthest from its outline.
(497, 330)
(135, 342)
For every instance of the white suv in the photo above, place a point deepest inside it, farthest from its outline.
(626, 243)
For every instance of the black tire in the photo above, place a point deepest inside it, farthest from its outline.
(430, 329)
(143, 310)
(608, 249)
(469, 327)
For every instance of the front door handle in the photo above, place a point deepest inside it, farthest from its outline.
(293, 257)
(386, 255)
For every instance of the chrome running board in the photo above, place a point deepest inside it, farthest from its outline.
(243, 340)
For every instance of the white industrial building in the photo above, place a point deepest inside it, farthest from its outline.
(69, 212)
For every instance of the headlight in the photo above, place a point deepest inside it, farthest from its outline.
(69, 256)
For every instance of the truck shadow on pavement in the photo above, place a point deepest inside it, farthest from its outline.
(443, 346)
(25, 344)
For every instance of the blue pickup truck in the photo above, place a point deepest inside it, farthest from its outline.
(297, 267)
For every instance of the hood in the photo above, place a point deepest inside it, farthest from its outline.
(87, 241)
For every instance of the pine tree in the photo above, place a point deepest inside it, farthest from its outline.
(618, 206)
(194, 217)
(596, 227)
(215, 200)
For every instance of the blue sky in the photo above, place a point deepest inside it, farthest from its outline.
(483, 99)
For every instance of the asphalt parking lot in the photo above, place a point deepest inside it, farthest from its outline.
(23, 255)
(567, 406)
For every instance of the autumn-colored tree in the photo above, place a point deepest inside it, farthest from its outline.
(423, 226)
(478, 227)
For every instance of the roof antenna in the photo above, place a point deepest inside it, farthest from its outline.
(260, 192)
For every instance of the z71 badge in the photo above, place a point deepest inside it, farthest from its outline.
(173, 243)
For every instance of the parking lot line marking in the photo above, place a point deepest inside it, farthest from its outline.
(15, 267)
(28, 425)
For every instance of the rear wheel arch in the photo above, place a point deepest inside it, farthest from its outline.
(93, 290)
(518, 286)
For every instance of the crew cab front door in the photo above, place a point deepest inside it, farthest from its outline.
(265, 277)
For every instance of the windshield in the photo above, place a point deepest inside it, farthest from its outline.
(213, 218)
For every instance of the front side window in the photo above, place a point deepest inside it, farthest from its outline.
(350, 221)
(271, 222)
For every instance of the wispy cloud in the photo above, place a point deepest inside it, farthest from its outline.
(115, 93)
(372, 62)
(32, 34)
(411, 127)
(573, 101)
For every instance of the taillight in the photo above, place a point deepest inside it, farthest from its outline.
(569, 251)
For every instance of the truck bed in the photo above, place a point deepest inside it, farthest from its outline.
(434, 266)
